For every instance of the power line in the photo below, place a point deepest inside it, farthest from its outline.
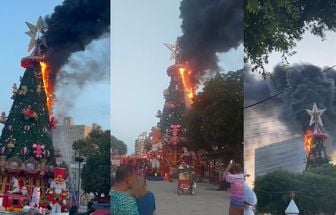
(268, 98)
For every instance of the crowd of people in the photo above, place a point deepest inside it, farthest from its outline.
(129, 194)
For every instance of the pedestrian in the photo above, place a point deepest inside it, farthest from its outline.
(122, 203)
(145, 199)
(235, 176)
(250, 200)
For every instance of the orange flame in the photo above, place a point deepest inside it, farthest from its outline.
(308, 140)
(188, 87)
(46, 85)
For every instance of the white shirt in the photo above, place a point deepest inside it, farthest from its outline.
(250, 200)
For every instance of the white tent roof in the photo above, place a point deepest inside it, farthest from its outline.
(292, 208)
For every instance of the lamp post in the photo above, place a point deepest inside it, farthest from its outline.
(80, 160)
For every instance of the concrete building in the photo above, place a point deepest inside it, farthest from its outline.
(66, 134)
(140, 144)
(63, 138)
(269, 144)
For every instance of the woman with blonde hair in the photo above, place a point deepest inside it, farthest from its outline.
(145, 199)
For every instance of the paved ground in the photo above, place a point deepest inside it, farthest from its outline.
(207, 200)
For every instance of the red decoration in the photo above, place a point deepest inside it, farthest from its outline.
(38, 75)
(53, 122)
(30, 61)
(38, 150)
(28, 113)
(175, 129)
(24, 151)
(59, 174)
(169, 105)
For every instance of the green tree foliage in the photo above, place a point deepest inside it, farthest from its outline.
(96, 171)
(118, 144)
(94, 143)
(22, 131)
(278, 25)
(315, 191)
(96, 177)
(216, 115)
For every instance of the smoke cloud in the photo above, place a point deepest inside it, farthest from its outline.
(85, 68)
(254, 89)
(209, 27)
(72, 26)
(308, 84)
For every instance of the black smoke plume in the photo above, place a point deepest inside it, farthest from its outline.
(307, 84)
(71, 27)
(209, 27)
(310, 84)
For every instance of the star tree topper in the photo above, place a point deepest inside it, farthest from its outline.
(315, 115)
(35, 32)
(175, 50)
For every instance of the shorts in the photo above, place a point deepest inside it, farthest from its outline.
(236, 210)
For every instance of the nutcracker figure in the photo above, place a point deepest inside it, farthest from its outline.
(58, 195)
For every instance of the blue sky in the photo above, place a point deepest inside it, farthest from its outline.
(140, 62)
(13, 46)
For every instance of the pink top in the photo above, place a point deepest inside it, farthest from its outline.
(237, 188)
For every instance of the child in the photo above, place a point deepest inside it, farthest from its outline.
(236, 179)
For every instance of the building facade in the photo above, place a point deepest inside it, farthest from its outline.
(269, 143)
(140, 145)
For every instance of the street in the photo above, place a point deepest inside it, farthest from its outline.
(207, 200)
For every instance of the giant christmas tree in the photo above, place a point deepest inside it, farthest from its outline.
(178, 95)
(27, 130)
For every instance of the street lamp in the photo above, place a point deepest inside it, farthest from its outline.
(80, 160)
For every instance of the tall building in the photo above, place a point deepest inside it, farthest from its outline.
(140, 145)
(65, 135)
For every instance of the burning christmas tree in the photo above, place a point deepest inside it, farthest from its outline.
(27, 130)
(168, 138)
(28, 161)
(179, 94)
(315, 139)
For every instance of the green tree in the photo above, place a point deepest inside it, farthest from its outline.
(278, 25)
(96, 171)
(96, 177)
(216, 116)
(315, 191)
(94, 143)
(118, 144)
(22, 130)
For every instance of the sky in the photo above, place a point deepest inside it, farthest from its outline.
(90, 104)
(310, 49)
(140, 62)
